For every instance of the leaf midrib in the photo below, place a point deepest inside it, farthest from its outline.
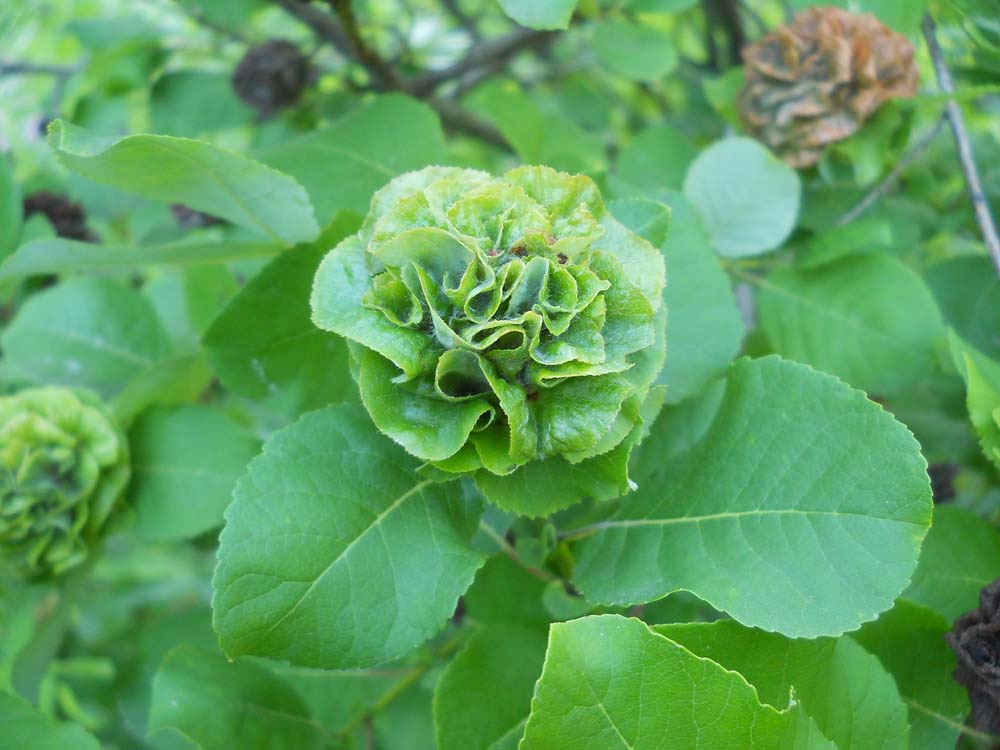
(343, 553)
(738, 514)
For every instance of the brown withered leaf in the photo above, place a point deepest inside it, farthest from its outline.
(817, 79)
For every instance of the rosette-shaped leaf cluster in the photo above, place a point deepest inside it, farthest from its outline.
(818, 79)
(499, 323)
(63, 468)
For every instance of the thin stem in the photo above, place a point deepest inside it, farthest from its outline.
(509, 550)
(987, 226)
(892, 178)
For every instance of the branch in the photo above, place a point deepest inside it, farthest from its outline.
(384, 75)
(348, 41)
(491, 54)
(323, 24)
(892, 178)
(23, 68)
(987, 227)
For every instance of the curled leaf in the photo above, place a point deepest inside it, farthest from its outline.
(497, 321)
(63, 468)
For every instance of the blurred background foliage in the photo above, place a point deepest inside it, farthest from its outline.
(630, 93)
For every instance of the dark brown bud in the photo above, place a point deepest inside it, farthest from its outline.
(271, 76)
(67, 217)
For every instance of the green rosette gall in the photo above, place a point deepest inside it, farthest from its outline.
(63, 468)
(504, 328)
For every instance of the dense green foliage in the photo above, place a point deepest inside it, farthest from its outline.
(470, 375)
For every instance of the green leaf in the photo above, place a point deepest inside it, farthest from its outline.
(538, 136)
(704, 327)
(484, 696)
(199, 175)
(56, 255)
(611, 682)
(220, 704)
(187, 299)
(901, 15)
(635, 50)
(659, 6)
(264, 342)
(868, 319)
(984, 406)
(656, 158)
(747, 197)
(226, 13)
(343, 164)
(364, 560)
(844, 689)
(968, 292)
(909, 641)
(982, 379)
(93, 333)
(506, 594)
(647, 218)
(185, 463)
(406, 723)
(24, 726)
(550, 14)
(961, 555)
(539, 488)
(173, 381)
(10, 209)
(800, 511)
(340, 699)
(861, 236)
(190, 103)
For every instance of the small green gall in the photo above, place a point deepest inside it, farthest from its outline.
(496, 322)
(63, 469)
